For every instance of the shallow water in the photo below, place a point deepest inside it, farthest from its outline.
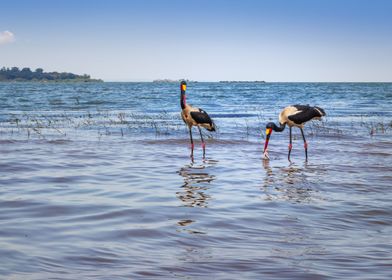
(96, 183)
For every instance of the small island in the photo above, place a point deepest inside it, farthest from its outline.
(261, 82)
(172, 81)
(15, 74)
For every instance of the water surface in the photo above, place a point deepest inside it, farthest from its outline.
(96, 183)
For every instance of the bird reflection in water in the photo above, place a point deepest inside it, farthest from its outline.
(193, 192)
(196, 184)
(287, 183)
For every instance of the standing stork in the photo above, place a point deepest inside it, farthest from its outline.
(193, 116)
(295, 115)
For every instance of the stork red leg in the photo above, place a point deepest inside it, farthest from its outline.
(305, 144)
(290, 145)
(192, 145)
(202, 143)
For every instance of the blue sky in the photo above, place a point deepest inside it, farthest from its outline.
(142, 40)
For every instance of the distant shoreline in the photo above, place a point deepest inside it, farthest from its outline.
(53, 81)
(190, 81)
(173, 81)
(228, 82)
(14, 74)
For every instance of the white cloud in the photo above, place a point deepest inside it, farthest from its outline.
(6, 37)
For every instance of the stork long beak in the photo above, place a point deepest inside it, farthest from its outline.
(268, 133)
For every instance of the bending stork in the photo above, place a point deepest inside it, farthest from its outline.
(295, 115)
(193, 116)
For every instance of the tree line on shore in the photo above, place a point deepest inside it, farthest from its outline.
(25, 74)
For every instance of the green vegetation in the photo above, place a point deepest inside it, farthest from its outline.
(26, 75)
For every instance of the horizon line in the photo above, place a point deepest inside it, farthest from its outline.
(235, 81)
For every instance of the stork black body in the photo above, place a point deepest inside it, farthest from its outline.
(297, 116)
(193, 116)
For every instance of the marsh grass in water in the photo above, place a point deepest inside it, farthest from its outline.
(104, 122)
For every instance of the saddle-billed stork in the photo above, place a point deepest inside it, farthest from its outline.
(295, 115)
(193, 116)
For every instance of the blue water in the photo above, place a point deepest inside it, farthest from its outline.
(96, 182)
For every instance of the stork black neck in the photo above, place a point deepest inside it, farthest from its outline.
(183, 99)
(276, 128)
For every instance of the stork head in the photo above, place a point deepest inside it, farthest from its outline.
(183, 86)
(183, 96)
(268, 131)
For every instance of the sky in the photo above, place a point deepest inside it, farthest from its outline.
(203, 40)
